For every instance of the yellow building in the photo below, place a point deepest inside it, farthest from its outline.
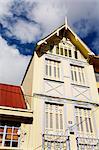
(94, 60)
(61, 91)
(15, 119)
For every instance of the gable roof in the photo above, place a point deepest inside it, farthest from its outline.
(55, 37)
(11, 96)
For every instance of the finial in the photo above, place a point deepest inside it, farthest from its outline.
(66, 22)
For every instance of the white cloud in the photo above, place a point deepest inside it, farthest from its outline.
(4, 7)
(48, 15)
(25, 31)
(12, 64)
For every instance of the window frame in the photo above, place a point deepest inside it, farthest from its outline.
(9, 135)
(53, 69)
(78, 74)
(87, 125)
(56, 110)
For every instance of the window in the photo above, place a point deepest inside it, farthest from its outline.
(61, 51)
(53, 116)
(52, 69)
(57, 50)
(65, 50)
(77, 74)
(70, 54)
(76, 54)
(9, 134)
(83, 120)
(51, 48)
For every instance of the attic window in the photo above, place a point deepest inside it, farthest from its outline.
(76, 54)
(70, 55)
(50, 48)
(65, 52)
(61, 51)
(57, 50)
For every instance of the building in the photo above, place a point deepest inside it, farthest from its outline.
(15, 118)
(94, 60)
(63, 94)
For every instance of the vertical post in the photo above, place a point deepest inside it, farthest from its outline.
(11, 136)
(68, 143)
(77, 144)
(73, 143)
(4, 134)
(19, 140)
(43, 142)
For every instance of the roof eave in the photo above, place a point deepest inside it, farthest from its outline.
(94, 60)
(70, 34)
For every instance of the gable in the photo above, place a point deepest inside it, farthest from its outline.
(67, 49)
(55, 37)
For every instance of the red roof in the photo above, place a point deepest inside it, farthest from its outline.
(11, 96)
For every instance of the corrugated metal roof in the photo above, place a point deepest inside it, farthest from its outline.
(11, 96)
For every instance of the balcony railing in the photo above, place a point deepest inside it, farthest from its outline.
(55, 142)
(9, 136)
(87, 143)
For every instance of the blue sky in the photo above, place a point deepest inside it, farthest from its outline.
(24, 22)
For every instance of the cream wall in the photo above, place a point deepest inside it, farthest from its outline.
(40, 85)
(35, 78)
(92, 83)
(27, 85)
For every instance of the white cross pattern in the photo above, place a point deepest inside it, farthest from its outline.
(54, 88)
(81, 92)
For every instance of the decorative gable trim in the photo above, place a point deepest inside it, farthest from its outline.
(54, 39)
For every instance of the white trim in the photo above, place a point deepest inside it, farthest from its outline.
(16, 112)
(75, 35)
(16, 109)
(90, 52)
(46, 38)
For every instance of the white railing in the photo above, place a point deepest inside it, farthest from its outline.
(87, 143)
(55, 142)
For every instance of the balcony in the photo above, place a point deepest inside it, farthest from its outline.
(87, 143)
(55, 142)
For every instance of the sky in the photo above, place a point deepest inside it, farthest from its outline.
(24, 22)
